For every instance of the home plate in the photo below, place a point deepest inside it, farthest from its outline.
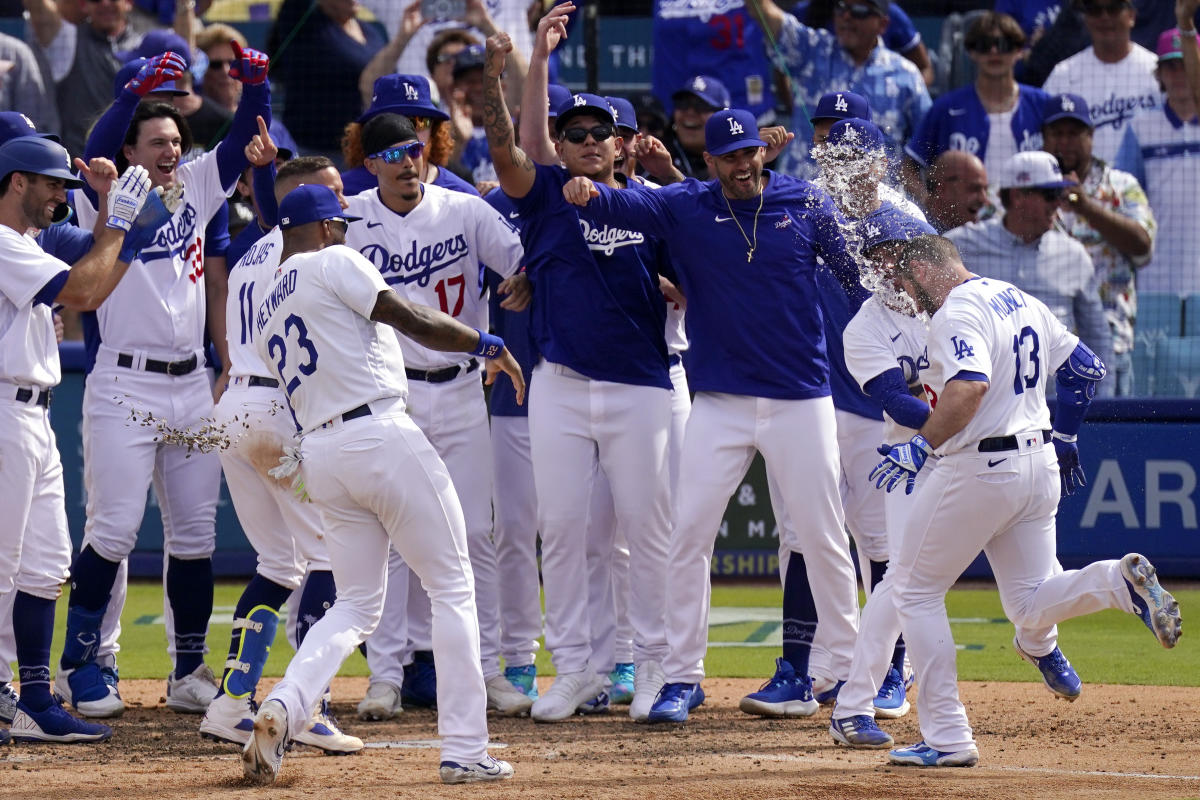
(421, 744)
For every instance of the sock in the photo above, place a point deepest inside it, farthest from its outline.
(877, 570)
(318, 595)
(190, 591)
(92, 578)
(258, 593)
(33, 628)
(799, 615)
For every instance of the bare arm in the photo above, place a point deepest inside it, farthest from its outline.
(957, 405)
(535, 134)
(384, 62)
(185, 25)
(1122, 232)
(514, 169)
(1185, 17)
(45, 19)
(514, 65)
(768, 15)
(919, 56)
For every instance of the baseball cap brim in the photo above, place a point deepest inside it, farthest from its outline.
(406, 110)
(729, 147)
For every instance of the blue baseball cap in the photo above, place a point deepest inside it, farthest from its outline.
(892, 228)
(729, 130)
(583, 103)
(311, 202)
(125, 75)
(470, 57)
(623, 113)
(14, 124)
(556, 95)
(859, 133)
(842, 105)
(38, 155)
(403, 94)
(710, 91)
(160, 41)
(1066, 106)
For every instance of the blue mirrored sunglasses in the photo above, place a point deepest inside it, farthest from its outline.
(394, 155)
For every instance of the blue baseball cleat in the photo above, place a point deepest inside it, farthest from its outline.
(786, 694)
(1156, 607)
(891, 702)
(825, 690)
(524, 678)
(1057, 672)
(922, 755)
(420, 682)
(54, 724)
(621, 691)
(859, 731)
(674, 701)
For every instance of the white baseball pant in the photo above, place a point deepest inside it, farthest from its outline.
(377, 481)
(388, 647)
(798, 442)
(575, 423)
(514, 504)
(1008, 511)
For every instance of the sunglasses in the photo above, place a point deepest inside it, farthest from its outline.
(215, 64)
(858, 10)
(1049, 195)
(1111, 9)
(985, 44)
(579, 135)
(394, 155)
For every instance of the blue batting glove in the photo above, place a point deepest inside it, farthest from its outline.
(903, 461)
(154, 215)
(1069, 470)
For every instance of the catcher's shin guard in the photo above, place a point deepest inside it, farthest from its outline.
(245, 667)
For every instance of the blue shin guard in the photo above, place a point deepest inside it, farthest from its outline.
(257, 633)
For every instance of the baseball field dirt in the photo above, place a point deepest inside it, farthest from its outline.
(1114, 742)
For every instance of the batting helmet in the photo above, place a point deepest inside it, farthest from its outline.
(39, 156)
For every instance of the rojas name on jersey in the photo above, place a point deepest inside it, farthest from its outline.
(417, 265)
(608, 239)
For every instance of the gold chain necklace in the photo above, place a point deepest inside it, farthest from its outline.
(753, 245)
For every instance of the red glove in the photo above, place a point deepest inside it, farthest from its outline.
(250, 65)
(155, 72)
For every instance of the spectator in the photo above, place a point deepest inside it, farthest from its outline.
(698, 99)
(22, 86)
(852, 58)
(1110, 216)
(900, 37)
(994, 118)
(1024, 248)
(471, 147)
(958, 190)
(1115, 75)
(83, 59)
(440, 57)
(320, 69)
(710, 38)
(1034, 16)
(1160, 149)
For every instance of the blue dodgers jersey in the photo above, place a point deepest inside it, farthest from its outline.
(958, 121)
(511, 326)
(597, 308)
(711, 37)
(358, 180)
(755, 326)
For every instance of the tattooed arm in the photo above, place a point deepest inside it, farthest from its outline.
(514, 169)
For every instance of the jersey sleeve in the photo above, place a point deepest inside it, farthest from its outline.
(866, 347)
(498, 241)
(353, 279)
(640, 209)
(958, 341)
(27, 270)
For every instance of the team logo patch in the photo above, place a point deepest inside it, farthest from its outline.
(1068, 104)
(841, 104)
(735, 127)
(410, 92)
(872, 229)
(580, 100)
(783, 222)
(699, 84)
(961, 348)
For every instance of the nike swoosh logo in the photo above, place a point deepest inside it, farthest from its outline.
(957, 112)
(998, 461)
(373, 224)
(897, 336)
(513, 214)
(723, 219)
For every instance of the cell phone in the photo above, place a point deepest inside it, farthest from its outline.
(443, 9)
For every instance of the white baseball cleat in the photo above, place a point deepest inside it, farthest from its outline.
(568, 693)
(324, 734)
(490, 769)
(262, 758)
(648, 679)
(381, 702)
(228, 719)
(194, 692)
(505, 699)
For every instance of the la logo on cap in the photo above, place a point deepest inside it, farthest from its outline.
(873, 229)
(410, 92)
(699, 84)
(1023, 177)
(286, 221)
(580, 100)
(841, 104)
(735, 127)
(1067, 104)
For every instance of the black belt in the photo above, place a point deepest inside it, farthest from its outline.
(441, 375)
(362, 411)
(998, 444)
(162, 367)
(255, 380)
(674, 360)
(43, 397)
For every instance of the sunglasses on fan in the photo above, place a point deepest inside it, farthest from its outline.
(394, 155)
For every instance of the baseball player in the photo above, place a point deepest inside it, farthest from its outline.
(430, 244)
(595, 295)
(35, 174)
(147, 341)
(747, 231)
(996, 487)
(285, 532)
(371, 472)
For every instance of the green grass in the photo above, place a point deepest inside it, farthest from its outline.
(1110, 647)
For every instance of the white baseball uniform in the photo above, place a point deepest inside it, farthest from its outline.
(1000, 497)
(376, 480)
(433, 255)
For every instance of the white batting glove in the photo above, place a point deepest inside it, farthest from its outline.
(289, 464)
(127, 197)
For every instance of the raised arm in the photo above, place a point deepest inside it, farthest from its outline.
(768, 15)
(477, 17)
(44, 19)
(515, 170)
(250, 67)
(535, 134)
(384, 62)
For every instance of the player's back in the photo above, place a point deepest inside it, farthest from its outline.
(991, 330)
(249, 278)
(313, 328)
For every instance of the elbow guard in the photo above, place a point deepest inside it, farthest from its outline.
(1075, 385)
(890, 391)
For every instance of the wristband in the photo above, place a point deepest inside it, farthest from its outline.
(489, 346)
(1062, 437)
(1187, 34)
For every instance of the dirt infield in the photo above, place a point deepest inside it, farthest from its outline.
(1115, 742)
